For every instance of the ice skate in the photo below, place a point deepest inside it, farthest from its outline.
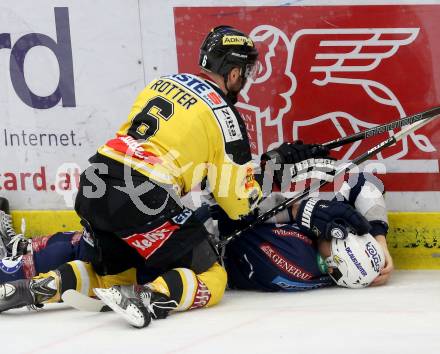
(137, 304)
(11, 243)
(26, 292)
(7, 233)
(129, 301)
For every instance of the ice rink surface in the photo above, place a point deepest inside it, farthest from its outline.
(401, 317)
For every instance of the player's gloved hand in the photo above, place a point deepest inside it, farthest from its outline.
(295, 162)
(316, 168)
(378, 227)
(327, 219)
(291, 153)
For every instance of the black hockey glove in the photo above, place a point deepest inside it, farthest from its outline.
(327, 219)
(378, 227)
(294, 162)
(291, 153)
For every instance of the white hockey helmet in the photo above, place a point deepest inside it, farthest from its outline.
(356, 260)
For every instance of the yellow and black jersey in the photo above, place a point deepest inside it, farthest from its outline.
(180, 130)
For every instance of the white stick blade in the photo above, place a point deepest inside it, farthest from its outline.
(82, 302)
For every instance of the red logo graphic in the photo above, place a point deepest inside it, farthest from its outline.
(38, 243)
(285, 265)
(331, 71)
(291, 233)
(250, 179)
(147, 243)
(129, 146)
(28, 265)
(214, 98)
(202, 296)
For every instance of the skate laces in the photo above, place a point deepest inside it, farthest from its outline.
(6, 227)
(160, 310)
(34, 307)
(144, 294)
(158, 304)
(16, 246)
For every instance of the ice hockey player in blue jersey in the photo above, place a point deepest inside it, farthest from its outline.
(281, 256)
(275, 257)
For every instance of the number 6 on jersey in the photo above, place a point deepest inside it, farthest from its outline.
(146, 123)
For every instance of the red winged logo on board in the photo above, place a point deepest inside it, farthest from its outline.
(330, 71)
(318, 84)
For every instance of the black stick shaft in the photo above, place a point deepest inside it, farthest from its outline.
(383, 128)
(357, 161)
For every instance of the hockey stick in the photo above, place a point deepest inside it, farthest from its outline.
(383, 128)
(82, 302)
(344, 169)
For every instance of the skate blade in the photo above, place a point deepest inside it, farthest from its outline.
(132, 314)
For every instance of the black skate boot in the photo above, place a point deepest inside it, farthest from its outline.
(4, 205)
(136, 304)
(11, 243)
(7, 232)
(160, 304)
(26, 292)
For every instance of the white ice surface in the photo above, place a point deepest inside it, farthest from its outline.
(401, 317)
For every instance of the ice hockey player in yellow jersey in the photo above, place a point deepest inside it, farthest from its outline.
(181, 129)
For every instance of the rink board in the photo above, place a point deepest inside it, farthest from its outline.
(413, 239)
(62, 99)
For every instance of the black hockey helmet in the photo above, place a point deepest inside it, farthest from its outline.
(225, 48)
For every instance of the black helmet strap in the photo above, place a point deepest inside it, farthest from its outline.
(230, 94)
